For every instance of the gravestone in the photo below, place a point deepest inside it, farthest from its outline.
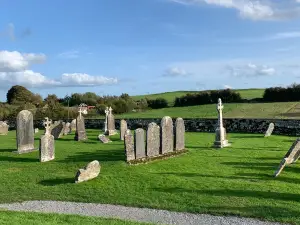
(139, 143)
(73, 125)
(36, 130)
(25, 132)
(129, 146)
(57, 129)
(47, 148)
(167, 139)
(123, 128)
(3, 128)
(220, 140)
(67, 129)
(290, 157)
(105, 122)
(270, 130)
(89, 172)
(111, 130)
(80, 134)
(179, 134)
(104, 139)
(153, 140)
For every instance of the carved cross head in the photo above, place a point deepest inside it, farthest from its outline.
(47, 124)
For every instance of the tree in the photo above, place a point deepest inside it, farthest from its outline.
(20, 95)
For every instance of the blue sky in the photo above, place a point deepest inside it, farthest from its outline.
(147, 46)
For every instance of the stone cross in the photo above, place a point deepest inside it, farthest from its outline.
(47, 124)
(110, 110)
(82, 109)
(220, 112)
(105, 123)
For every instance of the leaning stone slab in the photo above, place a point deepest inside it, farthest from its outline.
(179, 134)
(57, 129)
(139, 143)
(129, 146)
(104, 139)
(3, 128)
(270, 130)
(167, 139)
(153, 140)
(290, 157)
(25, 132)
(123, 128)
(47, 148)
(89, 172)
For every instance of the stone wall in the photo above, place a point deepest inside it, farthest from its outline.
(282, 126)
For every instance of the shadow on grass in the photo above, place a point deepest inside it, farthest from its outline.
(54, 182)
(247, 136)
(100, 155)
(8, 150)
(17, 159)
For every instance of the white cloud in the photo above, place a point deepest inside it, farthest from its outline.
(251, 70)
(14, 69)
(73, 54)
(253, 9)
(175, 72)
(227, 86)
(83, 79)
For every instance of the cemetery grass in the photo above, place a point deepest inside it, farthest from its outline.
(237, 180)
(25, 218)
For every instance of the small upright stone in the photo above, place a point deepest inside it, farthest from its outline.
(270, 130)
(36, 130)
(25, 132)
(67, 129)
(123, 128)
(47, 148)
(104, 139)
(111, 130)
(179, 134)
(73, 125)
(153, 140)
(167, 139)
(129, 146)
(139, 143)
(3, 128)
(220, 141)
(89, 172)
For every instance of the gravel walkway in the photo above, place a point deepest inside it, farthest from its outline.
(130, 213)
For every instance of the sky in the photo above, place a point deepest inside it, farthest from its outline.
(112, 47)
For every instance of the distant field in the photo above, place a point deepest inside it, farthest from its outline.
(231, 110)
(170, 96)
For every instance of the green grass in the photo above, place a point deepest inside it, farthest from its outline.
(237, 180)
(279, 110)
(21, 218)
(251, 93)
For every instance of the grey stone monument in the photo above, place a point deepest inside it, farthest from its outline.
(111, 130)
(220, 141)
(47, 148)
(153, 140)
(57, 129)
(123, 128)
(25, 132)
(73, 125)
(129, 146)
(3, 128)
(80, 134)
(139, 143)
(104, 139)
(67, 129)
(167, 139)
(270, 130)
(290, 157)
(179, 134)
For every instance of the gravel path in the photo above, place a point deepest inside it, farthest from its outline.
(130, 213)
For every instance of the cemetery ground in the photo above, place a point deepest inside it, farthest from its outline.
(237, 180)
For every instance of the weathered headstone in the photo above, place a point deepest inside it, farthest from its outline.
(80, 134)
(123, 128)
(36, 130)
(57, 129)
(73, 125)
(67, 128)
(25, 132)
(129, 146)
(89, 172)
(179, 134)
(111, 130)
(3, 128)
(153, 140)
(220, 141)
(104, 139)
(47, 148)
(167, 139)
(270, 130)
(139, 143)
(290, 157)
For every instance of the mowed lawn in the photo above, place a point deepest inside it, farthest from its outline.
(26, 218)
(237, 180)
(279, 110)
